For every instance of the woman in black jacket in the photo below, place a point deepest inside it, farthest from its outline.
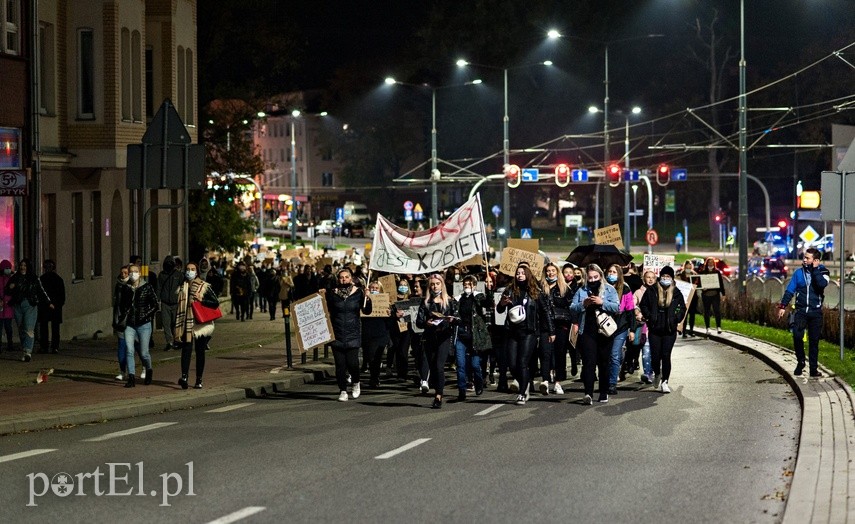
(524, 295)
(344, 303)
(560, 295)
(26, 292)
(711, 298)
(375, 338)
(437, 312)
(138, 305)
(663, 307)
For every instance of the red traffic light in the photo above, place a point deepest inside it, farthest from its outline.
(718, 218)
(562, 175)
(663, 174)
(513, 175)
(613, 173)
(782, 224)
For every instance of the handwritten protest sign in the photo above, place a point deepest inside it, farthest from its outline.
(609, 235)
(511, 257)
(688, 291)
(379, 306)
(655, 263)
(499, 318)
(709, 281)
(310, 320)
(389, 285)
(323, 262)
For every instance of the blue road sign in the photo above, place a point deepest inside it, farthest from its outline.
(579, 175)
(525, 233)
(497, 210)
(631, 175)
(679, 175)
(419, 215)
(408, 215)
(530, 174)
(339, 214)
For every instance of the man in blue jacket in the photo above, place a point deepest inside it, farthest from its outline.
(808, 286)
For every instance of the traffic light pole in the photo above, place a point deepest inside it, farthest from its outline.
(743, 157)
(627, 242)
(607, 191)
(506, 145)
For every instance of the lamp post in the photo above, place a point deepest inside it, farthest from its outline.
(506, 142)
(743, 158)
(295, 114)
(434, 172)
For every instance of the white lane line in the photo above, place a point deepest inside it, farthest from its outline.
(402, 449)
(127, 432)
(238, 515)
(230, 408)
(24, 454)
(489, 410)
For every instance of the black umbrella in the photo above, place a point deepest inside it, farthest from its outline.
(604, 255)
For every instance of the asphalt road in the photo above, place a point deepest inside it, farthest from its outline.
(718, 449)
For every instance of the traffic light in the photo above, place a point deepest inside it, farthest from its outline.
(513, 175)
(782, 225)
(613, 174)
(562, 175)
(718, 218)
(663, 174)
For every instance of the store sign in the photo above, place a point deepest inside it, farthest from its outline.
(13, 183)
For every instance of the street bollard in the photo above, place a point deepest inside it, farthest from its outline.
(286, 314)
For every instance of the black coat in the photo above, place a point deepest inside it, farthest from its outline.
(25, 287)
(434, 334)
(137, 306)
(344, 317)
(662, 321)
(54, 287)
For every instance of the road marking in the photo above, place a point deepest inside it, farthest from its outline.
(24, 454)
(489, 410)
(230, 408)
(402, 449)
(238, 515)
(126, 432)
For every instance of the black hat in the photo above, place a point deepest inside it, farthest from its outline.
(667, 270)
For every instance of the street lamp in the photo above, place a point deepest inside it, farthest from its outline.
(295, 114)
(506, 194)
(233, 176)
(435, 175)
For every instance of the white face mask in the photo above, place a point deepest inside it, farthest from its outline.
(190, 275)
(134, 276)
(467, 290)
(374, 292)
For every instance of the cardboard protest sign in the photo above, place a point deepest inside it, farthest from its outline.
(655, 263)
(499, 318)
(532, 245)
(709, 281)
(609, 235)
(379, 306)
(511, 257)
(477, 260)
(310, 320)
(390, 285)
(687, 289)
(323, 262)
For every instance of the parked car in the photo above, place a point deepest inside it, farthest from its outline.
(353, 229)
(325, 227)
(768, 267)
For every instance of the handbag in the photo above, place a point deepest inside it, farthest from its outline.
(606, 323)
(516, 314)
(203, 313)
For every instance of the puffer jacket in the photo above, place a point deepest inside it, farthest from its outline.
(344, 317)
(538, 314)
(808, 288)
(137, 305)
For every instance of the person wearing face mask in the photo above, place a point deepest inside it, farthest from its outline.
(240, 289)
(26, 293)
(559, 293)
(711, 298)
(595, 347)
(436, 314)
(344, 304)
(625, 332)
(469, 305)
(663, 307)
(420, 360)
(138, 305)
(119, 321)
(686, 276)
(640, 346)
(188, 332)
(523, 334)
(6, 309)
(401, 332)
(375, 338)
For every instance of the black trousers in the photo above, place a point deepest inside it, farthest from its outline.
(660, 353)
(437, 351)
(813, 323)
(372, 350)
(596, 351)
(346, 360)
(200, 344)
(399, 354)
(520, 348)
(44, 341)
(693, 310)
(559, 351)
(712, 304)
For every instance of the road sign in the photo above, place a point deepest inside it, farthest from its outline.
(579, 175)
(652, 237)
(408, 215)
(497, 210)
(419, 215)
(408, 205)
(418, 208)
(530, 174)
(809, 235)
(631, 175)
(679, 175)
(830, 204)
(339, 214)
(176, 133)
(525, 233)
(572, 220)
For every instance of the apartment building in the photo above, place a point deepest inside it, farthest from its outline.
(88, 77)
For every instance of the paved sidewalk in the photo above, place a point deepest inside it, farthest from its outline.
(248, 360)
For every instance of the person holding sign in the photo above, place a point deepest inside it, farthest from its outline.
(711, 296)
(597, 296)
(436, 315)
(688, 275)
(375, 337)
(344, 303)
(808, 286)
(662, 307)
(529, 312)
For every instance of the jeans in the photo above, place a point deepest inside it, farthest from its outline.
(660, 349)
(467, 361)
(6, 324)
(372, 349)
(143, 333)
(122, 354)
(813, 323)
(617, 356)
(399, 353)
(25, 318)
(559, 351)
(547, 357)
(646, 364)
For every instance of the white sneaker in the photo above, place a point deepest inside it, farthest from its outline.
(120, 377)
(521, 400)
(514, 386)
(424, 387)
(356, 391)
(708, 331)
(663, 387)
(719, 331)
(342, 397)
(528, 391)
(142, 375)
(544, 388)
(558, 389)
(587, 400)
